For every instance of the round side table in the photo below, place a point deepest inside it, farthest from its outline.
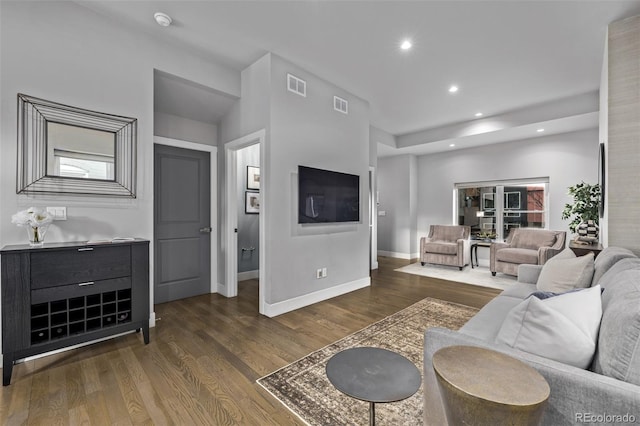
(482, 387)
(373, 375)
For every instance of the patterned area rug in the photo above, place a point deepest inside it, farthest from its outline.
(303, 386)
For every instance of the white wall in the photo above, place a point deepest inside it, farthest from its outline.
(603, 135)
(63, 52)
(566, 159)
(184, 129)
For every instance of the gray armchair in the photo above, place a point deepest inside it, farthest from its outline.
(446, 245)
(525, 246)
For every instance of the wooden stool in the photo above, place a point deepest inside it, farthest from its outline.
(484, 387)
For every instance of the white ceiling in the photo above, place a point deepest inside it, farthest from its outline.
(504, 55)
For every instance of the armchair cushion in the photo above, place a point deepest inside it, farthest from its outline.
(517, 255)
(533, 240)
(441, 247)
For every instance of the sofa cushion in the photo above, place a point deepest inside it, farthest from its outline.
(563, 328)
(609, 278)
(565, 272)
(607, 258)
(517, 255)
(533, 239)
(487, 322)
(519, 290)
(441, 247)
(618, 353)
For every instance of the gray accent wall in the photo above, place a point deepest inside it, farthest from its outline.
(303, 131)
(623, 191)
(248, 224)
(565, 159)
(398, 194)
(174, 127)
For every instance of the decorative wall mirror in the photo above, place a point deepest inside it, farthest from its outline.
(68, 150)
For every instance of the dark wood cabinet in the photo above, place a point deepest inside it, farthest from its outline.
(66, 294)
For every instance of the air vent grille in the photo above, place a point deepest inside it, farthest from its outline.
(296, 85)
(340, 105)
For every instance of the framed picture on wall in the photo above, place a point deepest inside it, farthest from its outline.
(251, 202)
(253, 177)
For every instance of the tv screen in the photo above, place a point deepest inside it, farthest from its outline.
(325, 196)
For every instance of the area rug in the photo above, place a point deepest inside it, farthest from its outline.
(477, 276)
(303, 386)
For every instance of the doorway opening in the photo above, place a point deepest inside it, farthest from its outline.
(245, 178)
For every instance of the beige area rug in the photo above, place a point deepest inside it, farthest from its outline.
(477, 276)
(303, 386)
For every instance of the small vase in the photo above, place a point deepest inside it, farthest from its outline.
(588, 231)
(36, 235)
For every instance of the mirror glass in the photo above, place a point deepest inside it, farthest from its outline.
(64, 149)
(79, 152)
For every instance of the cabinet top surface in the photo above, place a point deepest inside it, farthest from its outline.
(71, 244)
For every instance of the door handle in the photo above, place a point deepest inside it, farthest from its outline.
(206, 230)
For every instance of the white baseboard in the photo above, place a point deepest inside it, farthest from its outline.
(374, 265)
(395, 254)
(152, 319)
(249, 275)
(279, 308)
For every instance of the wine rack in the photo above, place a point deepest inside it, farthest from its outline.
(66, 317)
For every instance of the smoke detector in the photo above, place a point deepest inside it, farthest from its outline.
(162, 19)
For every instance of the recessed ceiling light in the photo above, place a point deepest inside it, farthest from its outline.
(540, 130)
(479, 114)
(451, 145)
(162, 19)
(453, 89)
(406, 44)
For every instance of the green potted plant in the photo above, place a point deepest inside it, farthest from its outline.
(584, 211)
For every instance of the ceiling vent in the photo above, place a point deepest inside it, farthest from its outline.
(296, 85)
(340, 105)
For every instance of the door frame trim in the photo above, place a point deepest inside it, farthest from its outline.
(231, 215)
(214, 286)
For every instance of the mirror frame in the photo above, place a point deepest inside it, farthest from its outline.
(33, 116)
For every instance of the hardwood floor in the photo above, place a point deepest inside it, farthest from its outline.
(205, 355)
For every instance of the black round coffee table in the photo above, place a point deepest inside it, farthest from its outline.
(373, 375)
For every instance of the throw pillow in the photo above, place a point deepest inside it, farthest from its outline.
(562, 328)
(565, 272)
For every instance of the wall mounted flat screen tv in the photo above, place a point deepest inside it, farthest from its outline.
(325, 196)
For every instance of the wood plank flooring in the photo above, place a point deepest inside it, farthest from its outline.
(205, 355)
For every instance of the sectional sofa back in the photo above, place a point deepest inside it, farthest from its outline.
(618, 350)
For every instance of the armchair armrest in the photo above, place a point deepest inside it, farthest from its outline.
(492, 254)
(464, 251)
(546, 253)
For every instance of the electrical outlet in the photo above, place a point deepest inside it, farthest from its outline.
(319, 274)
(324, 272)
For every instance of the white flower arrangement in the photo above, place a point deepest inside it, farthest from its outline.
(34, 217)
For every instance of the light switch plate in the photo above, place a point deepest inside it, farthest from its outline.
(58, 213)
